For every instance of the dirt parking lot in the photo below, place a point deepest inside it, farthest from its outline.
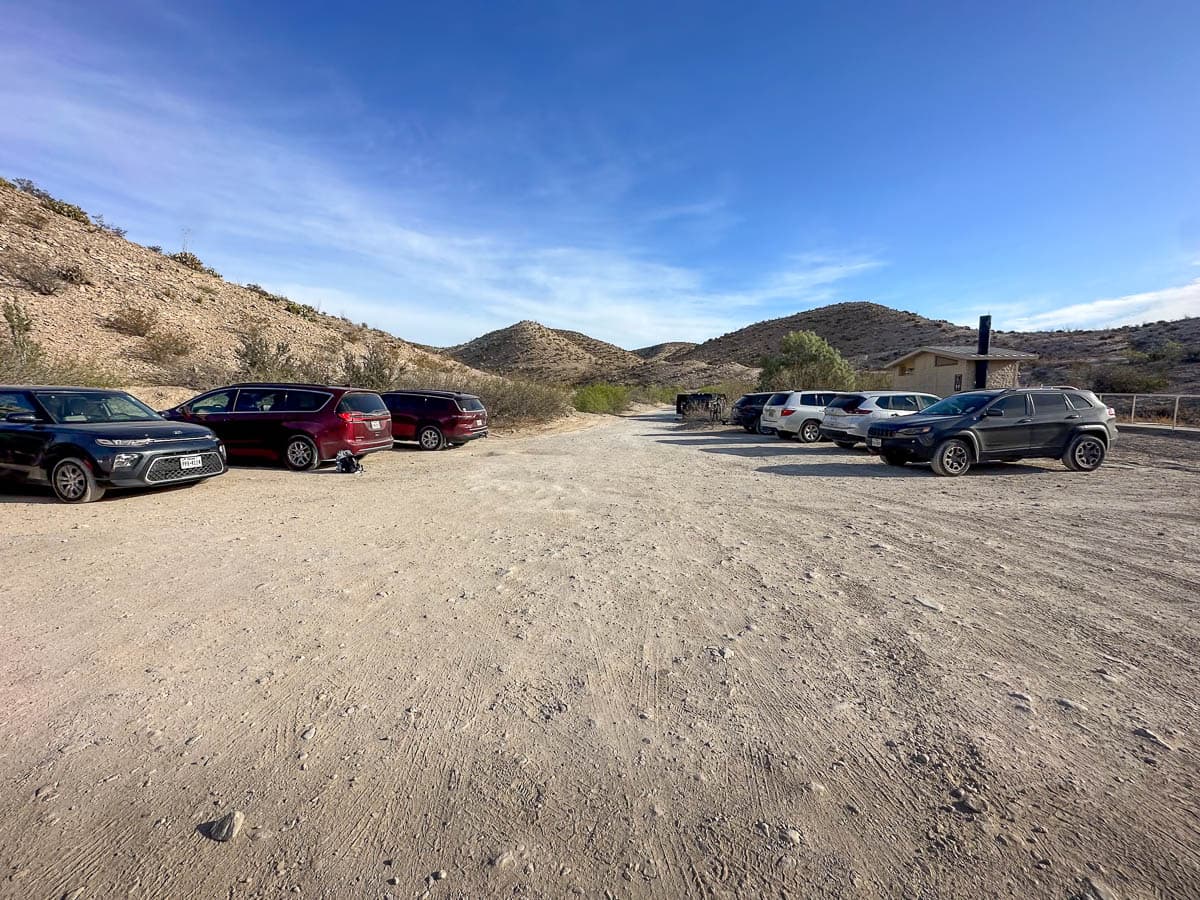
(627, 661)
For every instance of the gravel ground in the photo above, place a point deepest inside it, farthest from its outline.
(629, 659)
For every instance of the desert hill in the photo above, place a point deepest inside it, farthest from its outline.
(665, 350)
(149, 318)
(531, 350)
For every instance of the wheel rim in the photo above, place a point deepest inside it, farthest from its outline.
(811, 432)
(954, 458)
(299, 454)
(1088, 454)
(71, 481)
(430, 439)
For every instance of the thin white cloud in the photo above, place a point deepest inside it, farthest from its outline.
(1132, 309)
(262, 207)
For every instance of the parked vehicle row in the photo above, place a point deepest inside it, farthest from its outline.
(954, 433)
(84, 441)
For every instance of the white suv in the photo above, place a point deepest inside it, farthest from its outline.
(849, 416)
(799, 414)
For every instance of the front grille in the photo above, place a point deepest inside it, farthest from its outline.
(166, 468)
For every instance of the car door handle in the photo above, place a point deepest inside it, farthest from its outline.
(1024, 421)
(1076, 416)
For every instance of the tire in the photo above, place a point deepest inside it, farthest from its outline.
(430, 437)
(810, 432)
(845, 445)
(300, 454)
(952, 458)
(73, 481)
(1085, 453)
(749, 429)
(893, 459)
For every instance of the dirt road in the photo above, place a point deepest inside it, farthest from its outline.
(630, 660)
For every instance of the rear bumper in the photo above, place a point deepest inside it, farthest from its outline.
(330, 449)
(839, 434)
(465, 436)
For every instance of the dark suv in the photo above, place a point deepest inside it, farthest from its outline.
(747, 410)
(436, 419)
(1000, 426)
(86, 440)
(304, 425)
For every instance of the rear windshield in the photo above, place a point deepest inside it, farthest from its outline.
(470, 404)
(849, 401)
(363, 402)
(779, 399)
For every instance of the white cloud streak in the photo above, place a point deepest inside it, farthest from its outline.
(1132, 309)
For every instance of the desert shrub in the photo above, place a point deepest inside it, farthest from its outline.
(24, 361)
(35, 220)
(5, 183)
(198, 374)
(154, 248)
(873, 380)
(259, 289)
(138, 321)
(806, 360)
(379, 368)
(164, 346)
(602, 398)
(655, 393)
(1127, 379)
(35, 275)
(191, 261)
(73, 273)
(99, 222)
(70, 210)
(258, 358)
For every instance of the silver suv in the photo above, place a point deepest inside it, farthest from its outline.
(849, 416)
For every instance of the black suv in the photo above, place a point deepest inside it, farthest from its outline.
(1000, 426)
(86, 440)
(747, 410)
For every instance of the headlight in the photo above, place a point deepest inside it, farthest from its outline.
(122, 442)
(913, 432)
(221, 450)
(126, 460)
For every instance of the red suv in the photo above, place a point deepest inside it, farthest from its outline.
(304, 425)
(436, 419)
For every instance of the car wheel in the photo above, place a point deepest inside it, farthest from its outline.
(1085, 453)
(952, 457)
(810, 431)
(845, 445)
(73, 481)
(300, 454)
(431, 438)
(893, 459)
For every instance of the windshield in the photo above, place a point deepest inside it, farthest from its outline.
(86, 407)
(958, 405)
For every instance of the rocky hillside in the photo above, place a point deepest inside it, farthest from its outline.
(665, 351)
(531, 350)
(149, 318)
(871, 335)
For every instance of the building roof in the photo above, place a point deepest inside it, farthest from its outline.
(999, 354)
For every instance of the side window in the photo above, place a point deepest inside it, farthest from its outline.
(219, 402)
(1049, 404)
(905, 403)
(1079, 401)
(14, 402)
(926, 400)
(1013, 406)
(883, 402)
(303, 401)
(260, 400)
(808, 399)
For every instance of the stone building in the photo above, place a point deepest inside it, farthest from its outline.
(948, 370)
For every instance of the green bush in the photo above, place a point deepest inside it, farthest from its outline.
(261, 359)
(379, 368)
(1127, 379)
(602, 398)
(24, 361)
(164, 346)
(510, 402)
(806, 360)
(192, 261)
(655, 393)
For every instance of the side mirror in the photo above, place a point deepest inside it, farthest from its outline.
(994, 412)
(22, 418)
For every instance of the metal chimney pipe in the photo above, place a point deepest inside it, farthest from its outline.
(985, 347)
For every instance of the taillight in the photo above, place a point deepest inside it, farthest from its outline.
(786, 412)
(1112, 413)
(858, 412)
(350, 416)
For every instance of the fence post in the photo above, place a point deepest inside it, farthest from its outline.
(1133, 410)
(1175, 417)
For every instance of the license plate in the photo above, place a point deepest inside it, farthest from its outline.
(874, 442)
(375, 426)
(190, 462)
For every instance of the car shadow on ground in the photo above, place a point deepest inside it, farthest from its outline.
(881, 470)
(16, 492)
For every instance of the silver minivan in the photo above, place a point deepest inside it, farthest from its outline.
(849, 416)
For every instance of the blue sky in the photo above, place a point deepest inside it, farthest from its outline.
(638, 171)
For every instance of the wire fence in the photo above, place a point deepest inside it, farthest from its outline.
(1169, 410)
